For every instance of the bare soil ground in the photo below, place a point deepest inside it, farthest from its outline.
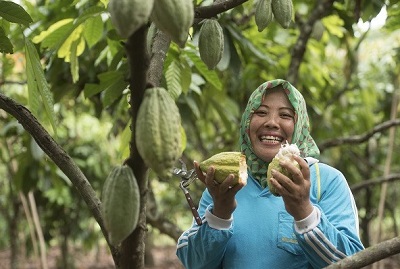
(163, 258)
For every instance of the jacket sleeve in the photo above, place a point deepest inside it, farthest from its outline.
(204, 246)
(331, 232)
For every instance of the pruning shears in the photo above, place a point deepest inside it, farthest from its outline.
(187, 177)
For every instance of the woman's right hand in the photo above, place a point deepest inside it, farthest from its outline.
(223, 194)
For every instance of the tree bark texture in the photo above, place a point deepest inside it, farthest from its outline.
(369, 255)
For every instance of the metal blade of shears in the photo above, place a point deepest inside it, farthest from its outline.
(187, 177)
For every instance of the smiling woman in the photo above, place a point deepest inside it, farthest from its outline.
(311, 224)
(272, 123)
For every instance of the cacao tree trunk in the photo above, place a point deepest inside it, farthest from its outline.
(133, 248)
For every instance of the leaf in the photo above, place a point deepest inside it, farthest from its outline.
(106, 80)
(193, 106)
(36, 151)
(93, 11)
(226, 54)
(5, 43)
(183, 138)
(209, 75)
(93, 30)
(124, 139)
(59, 32)
(247, 45)
(37, 84)
(173, 79)
(74, 61)
(334, 25)
(13, 12)
(65, 50)
(55, 35)
(186, 75)
(113, 92)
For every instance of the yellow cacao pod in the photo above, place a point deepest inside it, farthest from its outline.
(225, 163)
(158, 131)
(129, 15)
(283, 12)
(211, 42)
(263, 14)
(174, 17)
(120, 203)
(285, 153)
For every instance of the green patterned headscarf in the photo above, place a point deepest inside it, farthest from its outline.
(301, 135)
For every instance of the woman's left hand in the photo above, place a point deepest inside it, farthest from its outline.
(296, 191)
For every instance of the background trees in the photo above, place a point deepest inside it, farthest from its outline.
(81, 82)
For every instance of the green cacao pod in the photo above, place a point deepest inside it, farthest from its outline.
(225, 163)
(211, 42)
(283, 12)
(120, 203)
(263, 14)
(129, 15)
(174, 17)
(285, 153)
(158, 131)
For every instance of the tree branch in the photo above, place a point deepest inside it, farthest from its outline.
(370, 182)
(358, 138)
(159, 48)
(57, 154)
(216, 8)
(369, 255)
(321, 10)
(165, 226)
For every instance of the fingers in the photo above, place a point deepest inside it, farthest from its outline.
(228, 185)
(297, 175)
(305, 170)
(298, 180)
(200, 174)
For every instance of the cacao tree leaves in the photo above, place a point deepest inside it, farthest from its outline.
(38, 88)
(209, 75)
(93, 30)
(68, 37)
(13, 12)
(5, 43)
(111, 85)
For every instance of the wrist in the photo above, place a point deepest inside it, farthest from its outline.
(222, 214)
(303, 212)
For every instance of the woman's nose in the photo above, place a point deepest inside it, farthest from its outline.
(271, 121)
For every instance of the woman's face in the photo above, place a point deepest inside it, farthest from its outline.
(272, 124)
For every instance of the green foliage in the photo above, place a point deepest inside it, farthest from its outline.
(67, 64)
(14, 13)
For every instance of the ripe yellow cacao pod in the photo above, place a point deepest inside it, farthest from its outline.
(211, 42)
(158, 131)
(285, 153)
(129, 15)
(225, 163)
(283, 12)
(263, 14)
(174, 17)
(120, 203)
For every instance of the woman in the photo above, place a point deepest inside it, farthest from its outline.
(313, 222)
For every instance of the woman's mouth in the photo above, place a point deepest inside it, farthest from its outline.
(271, 139)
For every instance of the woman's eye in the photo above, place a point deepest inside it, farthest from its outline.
(260, 113)
(286, 116)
